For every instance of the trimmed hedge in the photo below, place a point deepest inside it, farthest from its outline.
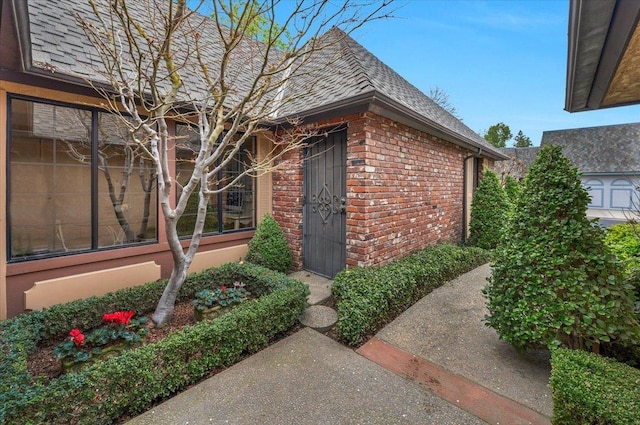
(128, 384)
(367, 298)
(591, 389)
(269, 247)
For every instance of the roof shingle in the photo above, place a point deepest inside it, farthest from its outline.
(345, 70)
(604, 149)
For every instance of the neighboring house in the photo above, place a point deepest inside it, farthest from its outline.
(607, 157)
(392, 173)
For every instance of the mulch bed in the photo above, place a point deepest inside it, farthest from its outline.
(43, 363)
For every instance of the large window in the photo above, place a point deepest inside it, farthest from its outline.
(77, 182)
(229, 210)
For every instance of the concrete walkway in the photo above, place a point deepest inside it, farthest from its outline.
(436, 364)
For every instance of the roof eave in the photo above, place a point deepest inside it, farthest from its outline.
(385, 106)
(599, 33)
(380, 104)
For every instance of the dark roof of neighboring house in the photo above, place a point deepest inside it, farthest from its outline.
(520, 159)
(606, 149)
(55, 46)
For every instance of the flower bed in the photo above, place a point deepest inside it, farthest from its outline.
(119, 333)
(129, 383)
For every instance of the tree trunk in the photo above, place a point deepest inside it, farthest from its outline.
(164, 310)
(116, 202)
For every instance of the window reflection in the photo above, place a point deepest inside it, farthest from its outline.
(229, 210)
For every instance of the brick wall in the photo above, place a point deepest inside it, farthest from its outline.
(287, 202)
(404, 189)
(404, 192)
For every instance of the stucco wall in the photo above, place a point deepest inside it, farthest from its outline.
(63, 275)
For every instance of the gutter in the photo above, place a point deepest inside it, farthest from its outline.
(22, 25)
(464, 193)
(572, 53)
(376, 102)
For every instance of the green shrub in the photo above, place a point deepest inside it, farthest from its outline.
(554, 281)
(489, 211)
(633, 280)
(512, 189)
(130, 383)
(367, 298)
(591, 389)
(624, 241)
(269, 247)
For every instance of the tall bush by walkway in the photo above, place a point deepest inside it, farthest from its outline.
(512, 189)
(269, 247)
(555, 283)
(489, 211)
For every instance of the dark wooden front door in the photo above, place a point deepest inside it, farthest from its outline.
(325, 196)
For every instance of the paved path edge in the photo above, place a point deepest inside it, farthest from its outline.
(461, 392)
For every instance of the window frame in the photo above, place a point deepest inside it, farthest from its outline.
(219, 196)
(94, 186)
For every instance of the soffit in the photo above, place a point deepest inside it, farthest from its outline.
(625, 86)
(603, 54)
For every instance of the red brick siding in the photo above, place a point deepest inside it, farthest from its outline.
(404, 192)
(287, 202)
(406, 195)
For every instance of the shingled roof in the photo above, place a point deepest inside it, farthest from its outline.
(611, 149)
(520, 159)
(347, 76)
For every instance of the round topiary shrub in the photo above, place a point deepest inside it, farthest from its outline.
(489, 211)
(555, 283)
(269, 247)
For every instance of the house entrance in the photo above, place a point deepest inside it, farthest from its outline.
(325, 197)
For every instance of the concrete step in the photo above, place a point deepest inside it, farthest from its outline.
(319, 317)
(319, 286)
(316, 316)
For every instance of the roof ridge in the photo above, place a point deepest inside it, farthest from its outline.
(391, 72)
(345, 42)
(594, 127)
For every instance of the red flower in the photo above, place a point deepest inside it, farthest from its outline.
(118, 317)
(76, 336)
(78, 339)
(223, 288)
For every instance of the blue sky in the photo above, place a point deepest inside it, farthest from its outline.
(499, 61)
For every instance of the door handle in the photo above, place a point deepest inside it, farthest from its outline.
(343, 204)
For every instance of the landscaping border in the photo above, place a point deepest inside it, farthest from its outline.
(589, 389)
(129, 384)
(367, 298)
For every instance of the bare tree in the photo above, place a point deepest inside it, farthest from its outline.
(229, 76)
(441, 97)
